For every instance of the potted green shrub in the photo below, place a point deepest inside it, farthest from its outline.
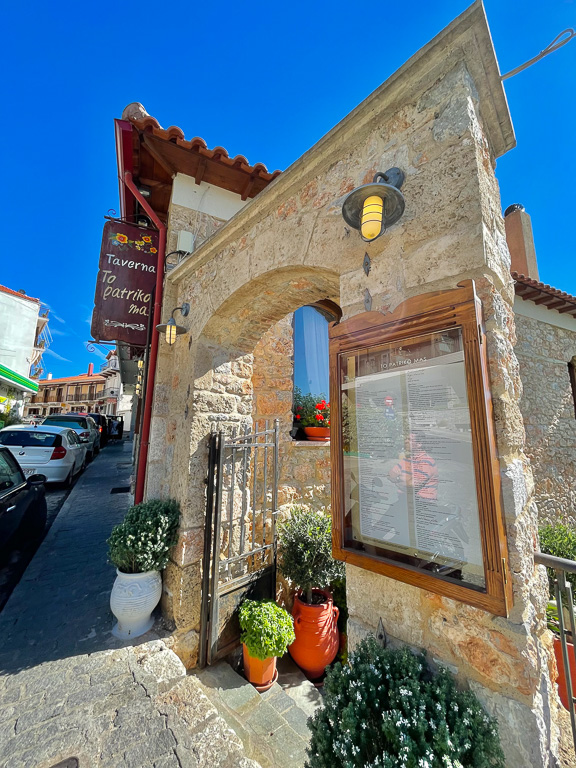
(558, 540)
(139, 548)
(386, 709)
(305, 547)
(267, 631)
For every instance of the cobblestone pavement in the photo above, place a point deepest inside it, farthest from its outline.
(67, 687)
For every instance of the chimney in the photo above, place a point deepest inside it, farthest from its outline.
(49, 377)
(520, 241)
(90, 369)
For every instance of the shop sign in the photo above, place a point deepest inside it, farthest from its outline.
(125, 283)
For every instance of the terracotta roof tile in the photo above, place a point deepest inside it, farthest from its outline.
(82, 377)
(17, 293)
(175, 134)
(541, 293)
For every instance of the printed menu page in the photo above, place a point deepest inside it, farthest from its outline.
(411, 475)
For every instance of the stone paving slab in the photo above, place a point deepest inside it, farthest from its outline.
(271, 725)
(130, 708)
(68, 688)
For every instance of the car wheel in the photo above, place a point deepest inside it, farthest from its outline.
(82, 466)
(89, 456)
(69, 480)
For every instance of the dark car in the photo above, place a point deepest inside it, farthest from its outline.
(22, 504)
(102, 424)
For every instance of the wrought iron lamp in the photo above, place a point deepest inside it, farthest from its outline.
(372, 208)
(170, 329)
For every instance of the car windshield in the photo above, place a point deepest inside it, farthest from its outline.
(22, 437)
(73, 423)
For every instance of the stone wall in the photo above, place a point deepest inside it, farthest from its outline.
(442, 119)
(547, 404)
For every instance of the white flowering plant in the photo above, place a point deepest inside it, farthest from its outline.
(385, 709)
(142, 541)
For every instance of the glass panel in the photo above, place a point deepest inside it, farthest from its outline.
(66, 422)
(311, 351)
(10, 473)
(409, 480)
(29, 439)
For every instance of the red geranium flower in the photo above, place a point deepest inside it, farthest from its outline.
(298, 416)
(319, 417)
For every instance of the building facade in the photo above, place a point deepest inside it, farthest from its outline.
(443, 119)
(545, 320)
(24, 335)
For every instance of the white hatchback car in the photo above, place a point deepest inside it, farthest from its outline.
(56, 452)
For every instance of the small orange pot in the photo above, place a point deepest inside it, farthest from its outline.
(317, 637)
(562, 686)
(262, 674)
(319, 434)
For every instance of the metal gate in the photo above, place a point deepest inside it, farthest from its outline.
(239, 557)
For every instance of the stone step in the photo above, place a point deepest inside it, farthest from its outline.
(271, 725)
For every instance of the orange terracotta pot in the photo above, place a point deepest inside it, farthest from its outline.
(562, 687)
(262, 674)
(319, 434)
(317, 637)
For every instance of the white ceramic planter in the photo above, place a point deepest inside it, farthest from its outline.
(134, 597)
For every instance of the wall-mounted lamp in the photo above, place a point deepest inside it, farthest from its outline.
(372, 208)
(170, 328)
(140, 364)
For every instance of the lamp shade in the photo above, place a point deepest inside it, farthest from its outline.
(171, 330)
(361, 210)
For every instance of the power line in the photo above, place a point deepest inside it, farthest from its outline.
(554, 45)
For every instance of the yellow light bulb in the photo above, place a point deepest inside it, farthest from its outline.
(372, 217)
(171, 332)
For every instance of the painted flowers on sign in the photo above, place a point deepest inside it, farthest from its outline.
(144, 244)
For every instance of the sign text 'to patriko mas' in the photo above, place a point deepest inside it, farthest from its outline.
(126, 280)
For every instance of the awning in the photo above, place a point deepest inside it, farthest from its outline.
(16, 380)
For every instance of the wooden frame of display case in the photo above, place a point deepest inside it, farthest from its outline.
(458, 310)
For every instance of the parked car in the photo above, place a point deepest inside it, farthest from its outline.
(22, 503)
(84, 426)
(102, 424)
(56, 452)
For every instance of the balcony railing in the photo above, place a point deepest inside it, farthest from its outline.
(566, 623)
(42, 398)
(85, 397)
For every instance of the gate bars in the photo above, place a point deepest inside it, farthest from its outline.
(238, 559)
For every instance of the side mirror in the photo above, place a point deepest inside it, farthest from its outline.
(37, 479)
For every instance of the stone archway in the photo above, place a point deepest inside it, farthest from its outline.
(443, 120)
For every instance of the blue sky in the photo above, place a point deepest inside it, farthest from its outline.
(263, 80)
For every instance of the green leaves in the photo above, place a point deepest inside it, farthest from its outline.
(143, 540)
(386, 709)
(305, 547)
(560, 541)
(267, 629)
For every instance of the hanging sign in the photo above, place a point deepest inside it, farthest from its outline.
(125, 283)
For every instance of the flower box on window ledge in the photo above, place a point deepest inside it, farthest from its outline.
(312, 414)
